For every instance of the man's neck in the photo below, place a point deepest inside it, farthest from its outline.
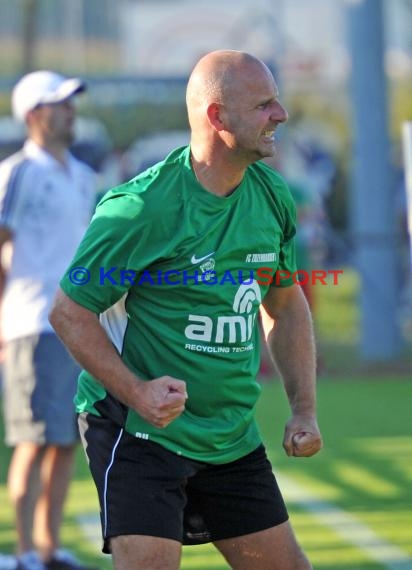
(56, 150)
(218, 176)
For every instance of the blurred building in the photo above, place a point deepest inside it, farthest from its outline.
(307, 39)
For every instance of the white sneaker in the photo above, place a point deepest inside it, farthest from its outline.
(30, 561)
(8, 562)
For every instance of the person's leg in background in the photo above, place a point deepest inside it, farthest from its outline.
(40, 382)
(55, 475)
(23, 489)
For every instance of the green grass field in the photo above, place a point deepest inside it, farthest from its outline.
(364, 470)
(351, 505)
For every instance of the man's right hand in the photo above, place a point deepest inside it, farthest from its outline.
(160, 401)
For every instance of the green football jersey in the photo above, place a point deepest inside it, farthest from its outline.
(177, 275)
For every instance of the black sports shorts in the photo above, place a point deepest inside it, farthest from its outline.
(145, 489)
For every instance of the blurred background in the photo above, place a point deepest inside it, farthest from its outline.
(344, 70)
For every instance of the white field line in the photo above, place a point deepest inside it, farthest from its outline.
(345, 525)
(90, 525)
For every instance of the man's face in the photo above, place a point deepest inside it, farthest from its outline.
(55, 122)
(252, 112)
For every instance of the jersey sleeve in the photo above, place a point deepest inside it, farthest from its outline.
(118, 244)
(14, 185)
(287, 254)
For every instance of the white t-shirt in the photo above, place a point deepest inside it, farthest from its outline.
(47, 207)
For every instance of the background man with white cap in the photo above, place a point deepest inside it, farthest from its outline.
(46, 198)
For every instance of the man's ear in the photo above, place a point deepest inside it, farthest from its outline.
(214, 113)
(31, 116)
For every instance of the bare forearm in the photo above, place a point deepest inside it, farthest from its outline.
(3, 278)
(6, 253)
(288, 329)
(159, 401)
(89, 344)
(291, 344)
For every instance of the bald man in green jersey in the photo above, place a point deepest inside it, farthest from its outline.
(170, 349)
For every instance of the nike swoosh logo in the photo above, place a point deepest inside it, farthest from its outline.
(195, 259)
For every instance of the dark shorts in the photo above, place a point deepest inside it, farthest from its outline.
(145, 489)
(39, 383)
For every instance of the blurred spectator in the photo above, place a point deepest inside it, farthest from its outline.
(46, 196)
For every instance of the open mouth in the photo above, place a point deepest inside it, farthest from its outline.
(269, 134)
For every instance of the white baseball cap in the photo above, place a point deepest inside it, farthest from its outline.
(42, 87)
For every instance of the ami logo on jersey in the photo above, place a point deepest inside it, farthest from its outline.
(230, 329)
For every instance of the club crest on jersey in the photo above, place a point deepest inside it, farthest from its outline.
(209, 265)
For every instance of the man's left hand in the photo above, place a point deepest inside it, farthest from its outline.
(302, 437)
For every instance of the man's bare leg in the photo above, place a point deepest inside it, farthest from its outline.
(137, 552)
(273, 549)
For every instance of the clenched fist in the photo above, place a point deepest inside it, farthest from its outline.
(160, 401)
(302, 437)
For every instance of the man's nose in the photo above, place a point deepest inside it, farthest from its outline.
(280, 115)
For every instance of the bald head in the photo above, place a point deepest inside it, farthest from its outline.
(234, 109)
(216, 76)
